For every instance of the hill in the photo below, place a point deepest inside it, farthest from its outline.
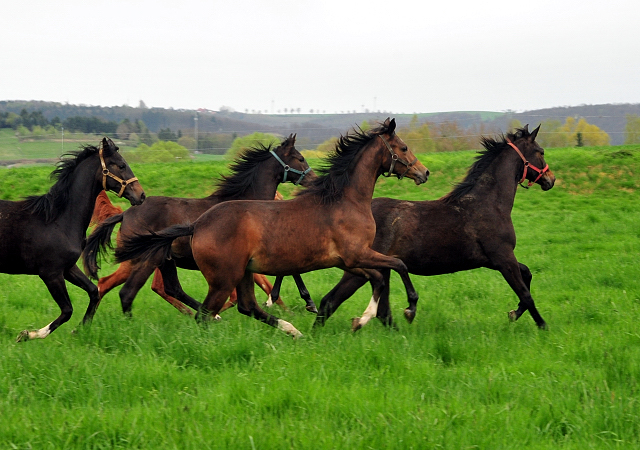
(315, 128)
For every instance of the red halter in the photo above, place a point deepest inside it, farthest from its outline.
(527, 165)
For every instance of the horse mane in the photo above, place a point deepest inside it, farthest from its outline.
(334, 175)
(244, 172)
(492, 148)
(50, 205)
(103, 209)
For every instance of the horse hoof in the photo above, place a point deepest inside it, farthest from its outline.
(409, 315)
(543, 326)
(296, 335)
(512, 316)
(355, 324)
(23, 336)
(312, 309)
(217, 318)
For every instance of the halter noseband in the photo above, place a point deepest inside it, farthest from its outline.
(528, 165)
(106, 173)
(288, 169)
(395, 158)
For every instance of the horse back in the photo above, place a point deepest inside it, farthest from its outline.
(430, 237)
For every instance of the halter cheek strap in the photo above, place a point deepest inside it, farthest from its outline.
(106, 173)
(395, 158)
(527, 165)
(288, 169)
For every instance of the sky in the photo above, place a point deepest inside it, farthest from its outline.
(400, 56)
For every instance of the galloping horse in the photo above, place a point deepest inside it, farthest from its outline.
(468, 228)
(327, 225)
(44, 235)
(255, 175)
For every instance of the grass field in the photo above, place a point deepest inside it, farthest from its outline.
(461, 376)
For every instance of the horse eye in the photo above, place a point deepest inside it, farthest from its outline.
(405, 148)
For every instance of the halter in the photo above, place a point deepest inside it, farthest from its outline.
(106, 173)
(528, 165)
(395, 158)
(288, 169)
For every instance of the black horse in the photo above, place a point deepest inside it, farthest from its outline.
(468, 228)
(44, 235)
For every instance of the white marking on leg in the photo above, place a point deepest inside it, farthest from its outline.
(269, 303)
(41, 333)
(288, 328)
(370, 312)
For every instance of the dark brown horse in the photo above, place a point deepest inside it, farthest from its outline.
(327, 225)
(466, 229)
(255, 176)
(44, 235)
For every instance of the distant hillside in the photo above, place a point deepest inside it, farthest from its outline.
(316, 128)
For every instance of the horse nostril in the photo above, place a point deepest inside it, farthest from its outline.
(142, 197)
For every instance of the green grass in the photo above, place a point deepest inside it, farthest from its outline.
(461, 376)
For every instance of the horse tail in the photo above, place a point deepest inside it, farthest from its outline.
(151, 245)
(97, 243)
(103, 209)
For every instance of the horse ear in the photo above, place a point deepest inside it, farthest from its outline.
(534, 133)
(108, 146)
(392, 126)
(526, 129)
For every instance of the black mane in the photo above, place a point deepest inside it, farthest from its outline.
(50, 205)
(244, 172)
(492, 148)
(333, 177)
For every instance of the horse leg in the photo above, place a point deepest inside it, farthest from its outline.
(347, 286)
(267, 287)
(157, 286)
(58, 290)
(134, 283)
(275, 291)
(512, 271)
(77, 278)
(168, 273)
(105, 284)
(384, 308)
(304, 293)
(248, 306)
(526, 275)
(374, 260)
(377, 283)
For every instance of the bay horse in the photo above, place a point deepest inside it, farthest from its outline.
(329, 224)
(468, 228)
(254, 175)
(44, 235)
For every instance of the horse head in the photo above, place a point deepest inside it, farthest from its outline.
(296, 168)
(399, 159)
(116, 174)
(536, 170)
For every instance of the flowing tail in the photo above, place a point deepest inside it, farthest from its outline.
(97, 243)
(152, 245)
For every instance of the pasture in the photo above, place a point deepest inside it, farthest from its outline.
(460, 376)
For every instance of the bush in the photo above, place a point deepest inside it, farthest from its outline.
(161, 151)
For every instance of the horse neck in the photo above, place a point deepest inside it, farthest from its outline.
(365, 173)
(496, 185)
(83, 192)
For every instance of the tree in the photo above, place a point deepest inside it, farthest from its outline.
(417, 137)
(160, 151)
(632, 129)
(572, 132)
(243, 143)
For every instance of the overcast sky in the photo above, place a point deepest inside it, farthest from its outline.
(398, 56)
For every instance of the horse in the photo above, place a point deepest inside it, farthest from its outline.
(468, 228)
(255, 174)
(104, 209)
(329, 224)
(44, 235)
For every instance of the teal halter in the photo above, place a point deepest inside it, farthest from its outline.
(288, 169)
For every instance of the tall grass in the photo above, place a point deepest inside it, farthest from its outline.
(460, 376)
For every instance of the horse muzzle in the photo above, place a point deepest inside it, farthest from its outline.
(418, 173)
(547, 181)
(134, 193)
